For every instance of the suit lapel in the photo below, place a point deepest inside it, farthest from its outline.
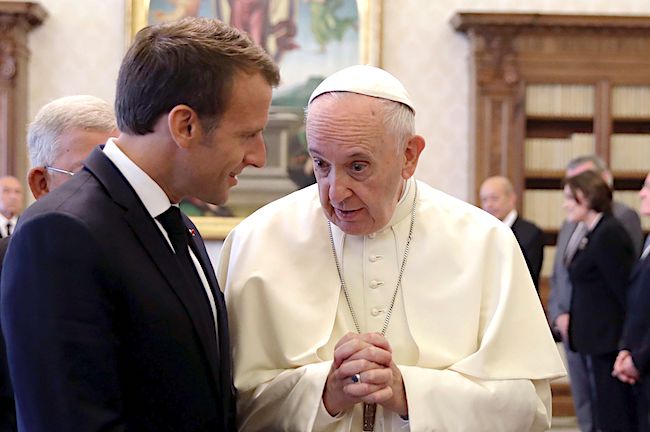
(201, 253)
(640, 263)
(154, 243)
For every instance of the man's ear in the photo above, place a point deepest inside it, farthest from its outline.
(37, 180)
(184, 125)
(412, 151)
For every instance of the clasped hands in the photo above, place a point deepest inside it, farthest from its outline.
(370, 356)
(624, 368)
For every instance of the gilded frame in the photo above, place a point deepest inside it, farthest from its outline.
(370, 36)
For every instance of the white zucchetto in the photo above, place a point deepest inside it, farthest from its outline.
(365, 80)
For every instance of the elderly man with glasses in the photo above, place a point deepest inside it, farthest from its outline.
(61, 136)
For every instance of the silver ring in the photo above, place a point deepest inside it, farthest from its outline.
(356, 378)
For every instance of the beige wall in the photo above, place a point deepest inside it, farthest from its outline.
(78, 50)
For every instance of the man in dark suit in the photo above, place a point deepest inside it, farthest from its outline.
(633, 361)
(499, 199)
(559, 301)
(11, 204)
(111, 312)
(62, 134)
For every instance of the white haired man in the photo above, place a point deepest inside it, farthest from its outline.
(372, 299)
(62, 134)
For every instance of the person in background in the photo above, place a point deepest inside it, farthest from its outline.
(371, 300)
(633, 361)
(499, 199)
(599, 269)
(559, 300)
(62, 134)
(11, 204)
(111, 312)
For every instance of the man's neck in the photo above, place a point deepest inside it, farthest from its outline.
(156, 164)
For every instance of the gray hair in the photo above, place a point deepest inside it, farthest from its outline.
(599, 165)
(61, 115)
(398, 118)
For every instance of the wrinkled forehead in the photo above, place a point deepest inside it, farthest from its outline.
(340, 106)
(345, 117)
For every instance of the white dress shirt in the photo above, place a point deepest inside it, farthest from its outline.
(7, 221)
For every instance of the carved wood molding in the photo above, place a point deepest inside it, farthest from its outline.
(510, 50)
(17, 18)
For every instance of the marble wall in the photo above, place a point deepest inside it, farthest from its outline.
(79, 47)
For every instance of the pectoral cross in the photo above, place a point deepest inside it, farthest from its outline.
(369, 411)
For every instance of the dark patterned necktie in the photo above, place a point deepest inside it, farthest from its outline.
(179, 236)
(8, 229)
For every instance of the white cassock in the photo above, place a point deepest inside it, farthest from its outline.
(467, 331)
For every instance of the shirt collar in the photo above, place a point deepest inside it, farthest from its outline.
(510, 218)
(593, 224)
(150, 193)
(4, 220)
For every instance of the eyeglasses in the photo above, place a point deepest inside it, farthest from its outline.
(59, 170)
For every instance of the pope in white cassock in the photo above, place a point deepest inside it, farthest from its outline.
(372, 301)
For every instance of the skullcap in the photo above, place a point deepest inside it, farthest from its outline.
(365, 80)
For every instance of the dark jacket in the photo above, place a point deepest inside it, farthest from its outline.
(102, 330)
(599, 273)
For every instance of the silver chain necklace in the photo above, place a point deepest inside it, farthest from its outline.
(369, 410)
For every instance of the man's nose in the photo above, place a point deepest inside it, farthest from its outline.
(257, 154)
(339, 189)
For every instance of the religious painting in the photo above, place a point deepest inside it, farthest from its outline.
(309, 39)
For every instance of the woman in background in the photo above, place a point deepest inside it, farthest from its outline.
(599, 270)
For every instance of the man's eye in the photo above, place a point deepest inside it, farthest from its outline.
(357, 167)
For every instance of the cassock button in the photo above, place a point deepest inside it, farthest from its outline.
(375, 311)
(372, 236)
(375, 284)
(374, 258)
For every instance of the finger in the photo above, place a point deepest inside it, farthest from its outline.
(378, 375)
(348, 336)
(361, 390)
(347, 349)
(623, 377)
(378, 340)
(378, 397)
(374, 354)
(351, 367)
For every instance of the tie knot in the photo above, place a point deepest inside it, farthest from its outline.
(172, 221)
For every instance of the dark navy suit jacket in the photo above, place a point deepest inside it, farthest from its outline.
(531, 240)
(636, 333)
(7, 409)
(102, 330)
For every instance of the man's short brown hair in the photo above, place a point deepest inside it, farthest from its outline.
(193, 62)
(596, 191)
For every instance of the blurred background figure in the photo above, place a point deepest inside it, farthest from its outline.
(599, 264)
(559, 300)
(11, 204)
(499, 199)
(633, 361)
